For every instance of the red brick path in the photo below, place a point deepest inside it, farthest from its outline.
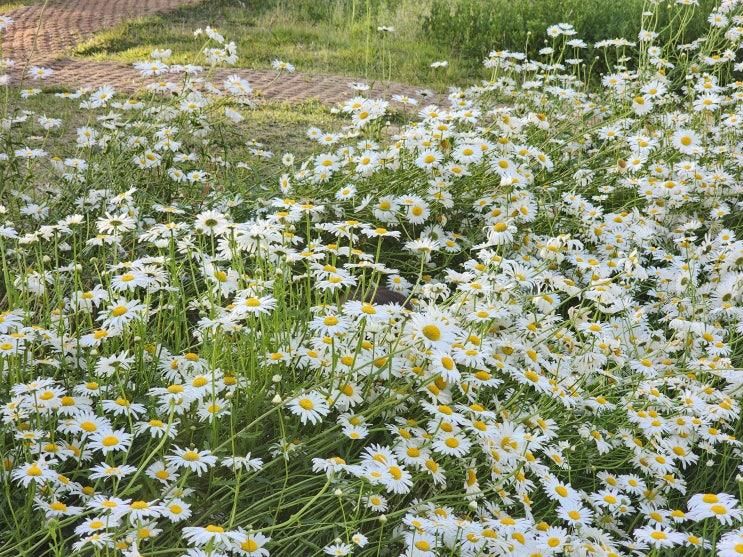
(43, 32)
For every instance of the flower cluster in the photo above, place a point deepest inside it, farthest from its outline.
(511, 326)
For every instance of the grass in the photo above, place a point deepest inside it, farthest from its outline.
(273, 126)
(282, 126)
(341, 43)
(478, 26)
(10, 6)
(342, 36)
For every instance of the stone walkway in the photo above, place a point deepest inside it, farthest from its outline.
(42, 35)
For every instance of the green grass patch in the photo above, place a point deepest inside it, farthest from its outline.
(15, 4)
(278, 127)
(475, 27)
(341, 40)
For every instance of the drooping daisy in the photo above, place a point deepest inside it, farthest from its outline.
(212, 534)
(246, 305)
(105, 471)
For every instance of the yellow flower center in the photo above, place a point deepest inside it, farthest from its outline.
(118, 311)
(34, 471)
(431, 332)
(452, 442)
(719, 509)
(190, 456)
(110, 441)
(395, 472)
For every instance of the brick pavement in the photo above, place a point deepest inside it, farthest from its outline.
(43, 32)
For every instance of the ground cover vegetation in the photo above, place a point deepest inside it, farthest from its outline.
(199, 357)
(389, 39)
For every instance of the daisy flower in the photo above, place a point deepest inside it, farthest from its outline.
(141, 510)
(104, 471)
(280, 65)
(428, 159)
(730, 544)
(687, 142)
(722, 506)
(176, 510)
(310, 407)
(109, 440)
(121, 313)
(242, 462)
(432, 330)
(659, 537)
(245, 305)
(211, 223)
(37, 72)
(34, 472)
(250, 544)
(192, 459)
(396, 479)
(210, 534)
(452, 444)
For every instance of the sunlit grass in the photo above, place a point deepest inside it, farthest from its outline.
(267, 32)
